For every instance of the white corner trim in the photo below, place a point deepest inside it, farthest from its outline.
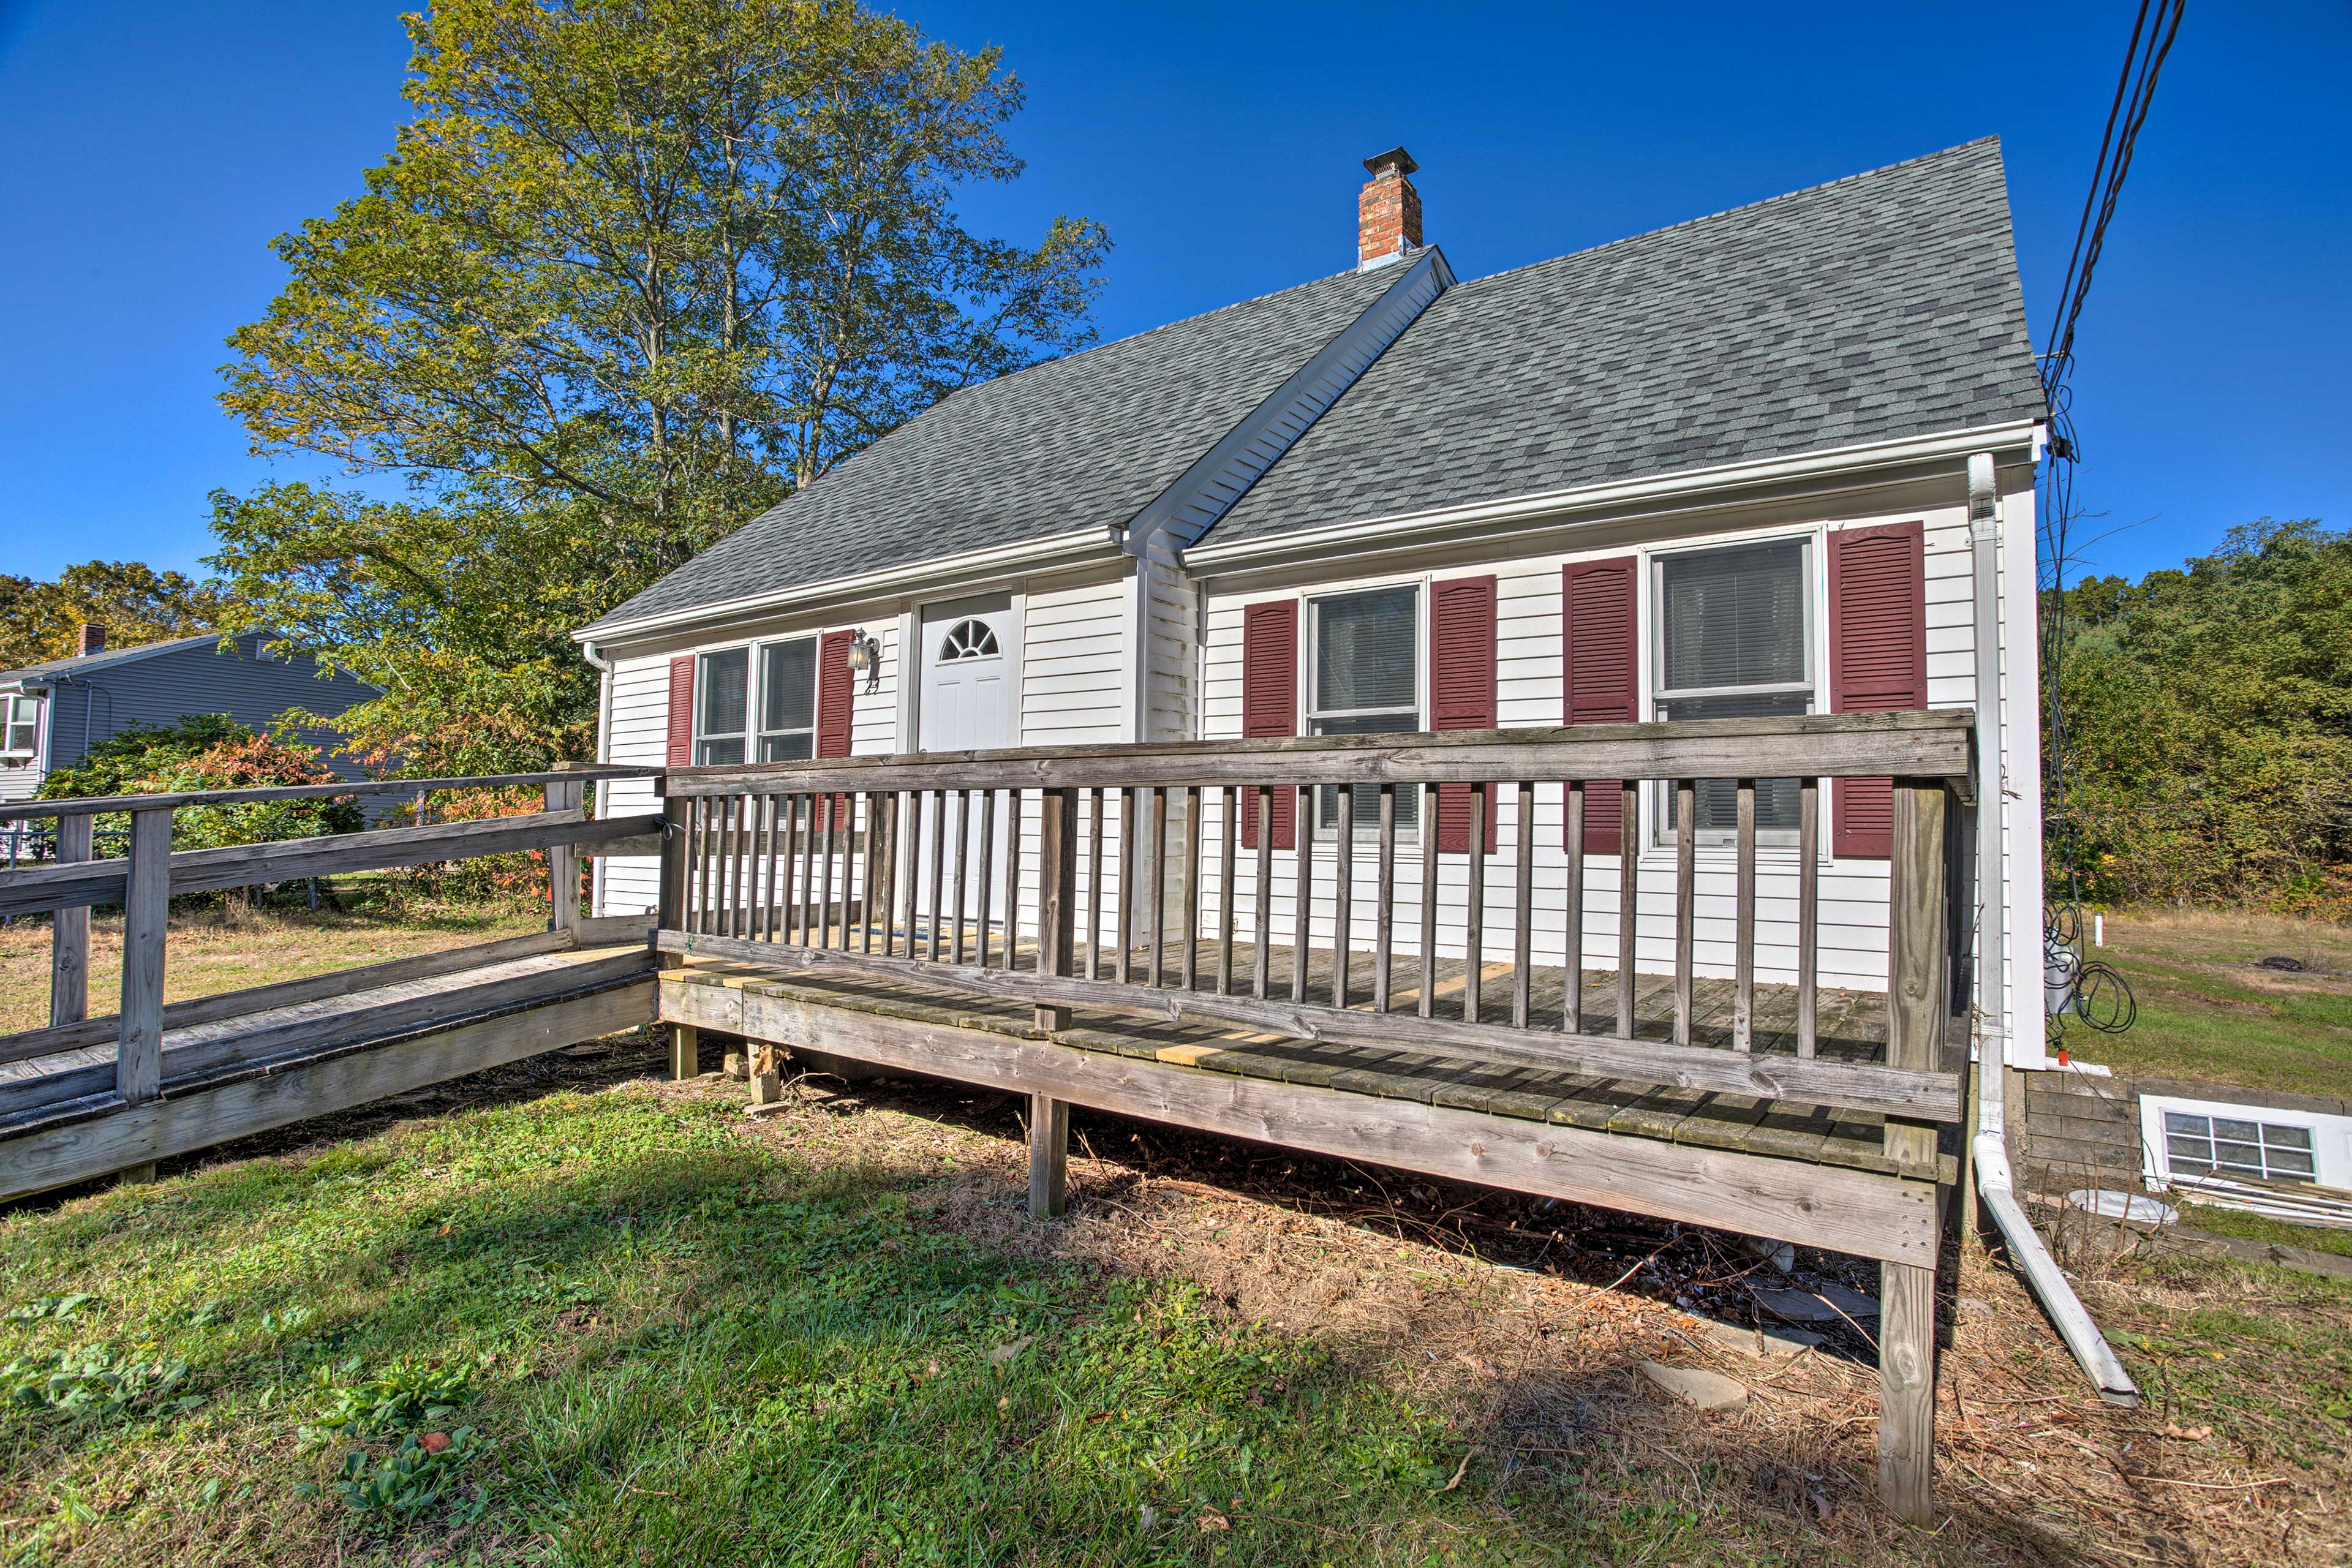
(973, 571)
(1547, 510)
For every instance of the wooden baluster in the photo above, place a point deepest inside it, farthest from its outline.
(1011, 875)
(1919, 1005)
(146, 919)
(1523, 951)
(1474, 936)
(1094, 889)
(1263, 930)
(1228, 834)
(1428, 900)
(1743, 999)
(884, 870)
(780, 864)
(1685, 902)
(1571, 1007)
(763, 834)
(563, 860)
(1158, 857)
(1384, 916)
(1343, 894)
(1123, 904)
(1192, 801)
(1302, 920)
(1058, 893)
(1809, 930)
(736, 827)
(939, 865)
(705, 863)
(987, 868)
(962, 853)
(909, 850)
(69, 934)
(1629, 900)
(825, 921)
(810, 911)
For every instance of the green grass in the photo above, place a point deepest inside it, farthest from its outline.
(2207, 1015)
(655, 1341)
(2262, 1227)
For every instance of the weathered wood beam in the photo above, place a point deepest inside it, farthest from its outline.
(96, 805)
(26, 891)
(1867, 1215)
(1856, 1086)
(1923, 744)
(60, 1155)
(1049, 1156)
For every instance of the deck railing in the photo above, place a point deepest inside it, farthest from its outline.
(143, 880)
(1344, 889)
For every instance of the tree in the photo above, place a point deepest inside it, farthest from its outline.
(660, 261)
(135, 603)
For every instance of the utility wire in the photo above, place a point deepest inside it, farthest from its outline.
(2095, 993)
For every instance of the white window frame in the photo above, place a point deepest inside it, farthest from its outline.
(755, 662)
(1657, 697)
(14, 710)
(1311, 612)
(2331, 1138)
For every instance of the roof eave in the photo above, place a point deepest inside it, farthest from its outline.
(1553, 508)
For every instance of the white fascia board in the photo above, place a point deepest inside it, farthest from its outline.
(970, 572)
(1839, 466)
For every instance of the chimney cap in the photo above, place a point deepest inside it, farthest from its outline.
(1395, 158)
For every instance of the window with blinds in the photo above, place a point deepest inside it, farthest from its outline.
(1735, 641)
(730, 727)
(1365, 680)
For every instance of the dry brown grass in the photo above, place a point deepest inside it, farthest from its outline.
(230, 946)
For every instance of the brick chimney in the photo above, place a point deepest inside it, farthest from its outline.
(90, 639)
(1388, 212)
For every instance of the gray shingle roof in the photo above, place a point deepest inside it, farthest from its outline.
(1077, 443)
(106, 658)
(1879, 306)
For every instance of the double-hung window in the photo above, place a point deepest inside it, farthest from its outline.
(1735, 640)
(20, 726)
(1365, 680)
(731, 726)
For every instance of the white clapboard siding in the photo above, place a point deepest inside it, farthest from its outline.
(638, 737)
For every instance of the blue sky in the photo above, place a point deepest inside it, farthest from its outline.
(148, 151)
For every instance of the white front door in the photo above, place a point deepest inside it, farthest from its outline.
(965, 704)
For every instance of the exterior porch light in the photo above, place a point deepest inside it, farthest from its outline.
(866, 658)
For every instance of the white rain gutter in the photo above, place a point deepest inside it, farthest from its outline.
(1989, 1145)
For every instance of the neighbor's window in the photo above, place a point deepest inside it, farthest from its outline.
(20, 725)
(2225, 1145)
(1365, 681)
(1735, 641)
(780, 728)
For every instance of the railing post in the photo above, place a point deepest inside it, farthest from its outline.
(146, 916)
(69, 934)
(1918, 1003)
(1058, 893)
(677, 863)
(564, 862)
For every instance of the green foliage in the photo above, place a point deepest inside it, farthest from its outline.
(135, 603)
(410, 1479)
(403, 1397)
(98, 1382)
(2209, 726)
(630, 275)
(206, 751)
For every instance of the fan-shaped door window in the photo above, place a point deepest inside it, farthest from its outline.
(968, 639)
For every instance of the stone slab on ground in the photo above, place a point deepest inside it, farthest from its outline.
(1828, 1304)
(1756, 1342)
(1700, 1390)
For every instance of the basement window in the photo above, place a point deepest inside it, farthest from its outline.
(2292, 1165)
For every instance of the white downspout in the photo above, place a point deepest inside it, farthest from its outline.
(1990, 1146)
(589, 651)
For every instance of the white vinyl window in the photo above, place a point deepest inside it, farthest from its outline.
(781, 726)
(1364, 678)
(2200, 1144)
(20, 726)
(1734, 639)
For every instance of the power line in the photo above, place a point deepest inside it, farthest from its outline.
(2153, 31)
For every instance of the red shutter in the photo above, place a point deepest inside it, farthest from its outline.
(834, 692)
(1270, 704)
(681, 711)
(1462, 692)
(1878, 660)
(1602, 666)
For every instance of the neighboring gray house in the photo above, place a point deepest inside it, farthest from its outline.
(50, 714)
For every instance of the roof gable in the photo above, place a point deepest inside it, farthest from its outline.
(1879, 306)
